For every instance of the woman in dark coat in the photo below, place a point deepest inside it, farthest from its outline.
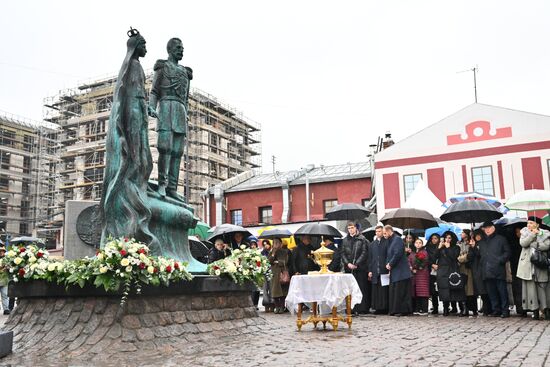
(400, 275)
(278, 259)
(378, 250)
(474, 261)
(447, 263)
(431, 248)
(336, 263)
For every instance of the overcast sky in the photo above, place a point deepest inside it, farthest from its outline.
(323, 78)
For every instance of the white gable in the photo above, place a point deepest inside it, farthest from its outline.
(488, 126)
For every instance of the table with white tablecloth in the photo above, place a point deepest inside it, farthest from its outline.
(329, 290)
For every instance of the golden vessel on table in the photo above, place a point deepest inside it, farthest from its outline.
(323, 258)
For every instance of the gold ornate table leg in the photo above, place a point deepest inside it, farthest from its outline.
(299, 317)
(314, 310)
(334, 319)
(348, 310)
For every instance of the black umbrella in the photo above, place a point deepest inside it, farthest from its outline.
(270, 234)
(317, 229)
(470, 211)
(227, 230)
(347, 211)
(409, 218)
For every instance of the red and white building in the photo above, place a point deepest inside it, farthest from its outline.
(252, 199)
(493, 150)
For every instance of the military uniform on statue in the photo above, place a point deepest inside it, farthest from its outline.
(170, 91)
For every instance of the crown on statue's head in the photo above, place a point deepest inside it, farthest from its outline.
(132, 32)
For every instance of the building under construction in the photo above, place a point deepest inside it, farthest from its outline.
(221, 142)
(29, 154)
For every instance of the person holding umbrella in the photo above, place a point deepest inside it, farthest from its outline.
(495, 252)
(238, 240)
(400, 275)
(354, 260)
(278, 258)
(535, 289)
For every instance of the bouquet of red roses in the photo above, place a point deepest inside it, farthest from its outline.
(420, 260)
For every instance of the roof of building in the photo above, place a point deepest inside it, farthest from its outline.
(348, 171)
(452, 133)
(24, 122)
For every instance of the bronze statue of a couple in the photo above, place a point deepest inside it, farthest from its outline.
(131, 205)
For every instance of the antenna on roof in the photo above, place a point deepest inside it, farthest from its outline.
(475, 70)
(273, 158)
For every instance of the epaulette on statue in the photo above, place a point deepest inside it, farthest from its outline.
(159, 65)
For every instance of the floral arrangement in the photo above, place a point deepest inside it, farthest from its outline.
(244, 264)
(121, 264)
(30, 262)
(420, 260)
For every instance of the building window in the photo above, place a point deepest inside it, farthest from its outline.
(23, 228)
(482, 178)
(409, 183)
(4, 206)
(548, 166)
(329, 204)
(237, 217)
(266, 215)
(25, 209)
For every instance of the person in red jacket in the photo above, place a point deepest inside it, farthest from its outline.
(419, 263)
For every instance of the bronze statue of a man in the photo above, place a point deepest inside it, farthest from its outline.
(170, 91)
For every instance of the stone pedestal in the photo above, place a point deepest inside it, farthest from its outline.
(73, 247)
(89, 323)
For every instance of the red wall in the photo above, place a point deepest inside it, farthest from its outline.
(391, 190)
(532, 173)
(436, 183)
(250, 202)
(346, 191)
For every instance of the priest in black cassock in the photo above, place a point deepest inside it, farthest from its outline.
(377, 253)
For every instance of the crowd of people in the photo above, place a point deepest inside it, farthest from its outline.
(483, 271)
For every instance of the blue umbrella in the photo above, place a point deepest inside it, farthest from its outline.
(443, 227)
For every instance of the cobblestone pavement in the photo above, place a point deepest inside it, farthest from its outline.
(372, 341)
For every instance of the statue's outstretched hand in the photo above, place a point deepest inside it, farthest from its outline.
(152, 112)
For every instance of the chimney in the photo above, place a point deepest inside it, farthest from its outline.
(388, 141)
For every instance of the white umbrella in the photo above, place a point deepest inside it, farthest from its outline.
(529, 200)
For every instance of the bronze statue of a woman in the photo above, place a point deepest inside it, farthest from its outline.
(124, 208)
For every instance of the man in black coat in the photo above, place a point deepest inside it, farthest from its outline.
(354, 259)
(377, 253)
(495, 251)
